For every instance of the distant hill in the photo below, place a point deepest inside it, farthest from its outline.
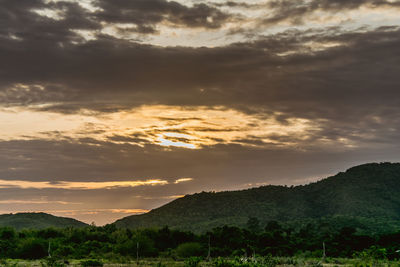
(38, 221)
(366, 196)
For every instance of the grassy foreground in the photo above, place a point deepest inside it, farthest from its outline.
(199, 262)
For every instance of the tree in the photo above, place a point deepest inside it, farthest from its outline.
(253, 224)
(190, 249)
(32, 249)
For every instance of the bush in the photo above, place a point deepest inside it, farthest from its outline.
(192, 262)
(64, 251)
(7, 233)
(52, 262)
(159, 264)
(32, 249)
(191, 249)
(221, 262)
(91, 263)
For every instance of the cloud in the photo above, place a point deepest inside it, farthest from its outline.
(88, 100)
(96, 211)
(312, 73)
(182, 180)
(245, 75)
(35, 201)
(27, 20)
(296, 12)
(287, 74)
(146, 14)
(78, 185)
(65, 22)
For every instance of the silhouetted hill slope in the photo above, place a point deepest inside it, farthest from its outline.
(38, 221)
(368, 196)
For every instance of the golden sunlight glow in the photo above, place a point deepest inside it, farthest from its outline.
(98, 211)
(182, 180)
(78, 185)
(101, 216)
(169, 126)
(36, 201)
(201, 126)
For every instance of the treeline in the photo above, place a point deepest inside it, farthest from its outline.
(109, 242)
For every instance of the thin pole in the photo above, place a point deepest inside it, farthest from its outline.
(137, 251)
(209, 248)
(324, 252)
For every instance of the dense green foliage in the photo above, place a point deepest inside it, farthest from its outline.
(366, 196)
(38, 221)
(110, 243)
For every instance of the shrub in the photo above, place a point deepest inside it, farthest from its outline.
(221, 262)
(32, 249)
(159, 264)
(52, 262)
(191, 249)
(192, 262)
(91, 263)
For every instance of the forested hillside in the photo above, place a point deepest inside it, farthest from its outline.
(366, 197)
(38, 221)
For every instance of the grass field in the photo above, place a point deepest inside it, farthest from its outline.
(198, 262)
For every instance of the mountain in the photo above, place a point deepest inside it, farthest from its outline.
(38, 221)
(365, 196)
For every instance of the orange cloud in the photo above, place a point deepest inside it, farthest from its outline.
(182, 180)
(79, 185)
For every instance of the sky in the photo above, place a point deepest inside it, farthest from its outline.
(110, 108)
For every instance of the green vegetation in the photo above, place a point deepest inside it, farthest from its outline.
(272, 245)
(367, 197)
(91, 263)
(38, 221)
(190, 249)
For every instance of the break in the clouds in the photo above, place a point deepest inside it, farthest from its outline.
(111, 108)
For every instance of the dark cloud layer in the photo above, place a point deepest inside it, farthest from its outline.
(296, 11)
(344, 82)
(218, 167)
(19, 19)
(108, 74)
(349, 83)
(346, 85)
(147, 13)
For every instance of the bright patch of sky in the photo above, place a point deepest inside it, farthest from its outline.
(165, 142)
(50, 13)
(168, 126)
(79, 185)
